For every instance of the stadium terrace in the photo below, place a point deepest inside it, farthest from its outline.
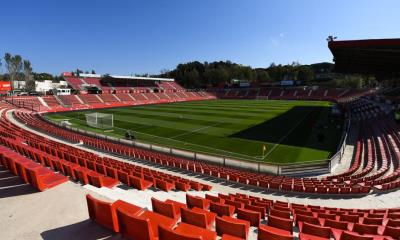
(129, 157)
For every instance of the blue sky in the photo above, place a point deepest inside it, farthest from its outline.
(128, 36)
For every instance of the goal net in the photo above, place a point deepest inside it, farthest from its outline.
(100, 120)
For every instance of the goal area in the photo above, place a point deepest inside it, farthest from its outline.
(100, 120)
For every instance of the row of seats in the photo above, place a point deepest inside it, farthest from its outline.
(233, 216)
(79, 83)
(29, 171)
(288, 93)
(89, 168)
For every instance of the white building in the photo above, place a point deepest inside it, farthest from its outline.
(47, 85)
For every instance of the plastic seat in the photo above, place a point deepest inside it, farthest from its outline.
(166, 209)
(168, 234)
(214, 198)
(235, 204)
(103, 213)
(177, 205)
(230, 237)
(353, 236)
(365, 229)
(393, 232)
(300, 219)
(222, 209)
(164, 185)
(393, 223)
(272, 233)
(261, 210)
(314, 232)
(249, 215)
(139, 183)
(198, 217)
(182, 186)
(278, 213)
(349, 218)
(337, 227)
(232, 226)
(44, 181)
(156, 220)
(280, 223)
(193, 201)
(372, 221)
(190, 230)
(135, 228)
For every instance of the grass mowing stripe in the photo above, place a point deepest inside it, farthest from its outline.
(190, 123)
(223, 113)
(173, 117)
(196, 130)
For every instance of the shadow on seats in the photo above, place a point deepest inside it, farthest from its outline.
(11, 185)
(85, 230)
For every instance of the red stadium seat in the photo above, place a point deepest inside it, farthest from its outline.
(272, 233)
(214, 198)
(104, 213)
(249, 215)
(314, 232)
(393, 232)
(166, 209)
(139, 183)
(353, 236)
(156, 220)
(281, 223)
(164, 185)
(222, 209)
(134, 227)
(198, 217)
(43, 179)
(190, 230)
(232, 226)
(365, 229)
(193, 201)
(177, 205)
(168, 234)
(278, 213)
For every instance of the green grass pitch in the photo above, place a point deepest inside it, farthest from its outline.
(231, 128)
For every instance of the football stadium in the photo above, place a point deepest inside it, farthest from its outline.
(208, 149)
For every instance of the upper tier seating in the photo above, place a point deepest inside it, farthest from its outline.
(288, 93)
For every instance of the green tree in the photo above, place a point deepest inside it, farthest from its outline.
(29, 80)
(14, 66)
(305, 74)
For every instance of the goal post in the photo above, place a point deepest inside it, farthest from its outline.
(100, 120)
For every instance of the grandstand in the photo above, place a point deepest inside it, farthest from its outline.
(122, 84)
(71, 183)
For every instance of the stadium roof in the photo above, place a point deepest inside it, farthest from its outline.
(380, 57)
(140, 78)
(125, 77)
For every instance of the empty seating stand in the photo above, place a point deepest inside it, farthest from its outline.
(31, 172)
(346, 183)
(164, 221)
